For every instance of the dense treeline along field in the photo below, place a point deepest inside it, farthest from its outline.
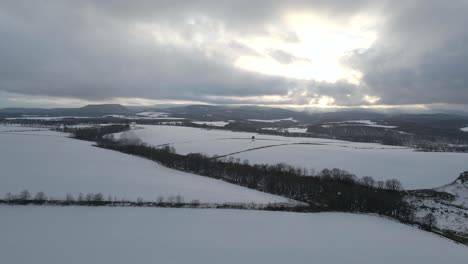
(330, 190)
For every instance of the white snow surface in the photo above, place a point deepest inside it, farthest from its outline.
(447, 217)
(358, 122)
(302, 130)
(49, 161)
(414, 169)
(107, 235)
(211, 123)
(460, 191)
(153, 114)
(297, 129)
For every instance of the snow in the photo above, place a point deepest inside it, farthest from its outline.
(459, 190)
(358, 122)
(76, 235)
(302, 130)
(447, 217)
(18, 128)
(211, 123)
(153, 114)
(464, 129)
(272, 120)
(414, 169)
(46, 117)
(49, 161)
(297, 130)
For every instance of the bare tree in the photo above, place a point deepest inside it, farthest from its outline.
(429, 221)
(368, 181)
(139, 200)
(89, 197)
(171, 199)
(160, 200)
(81, 197)
(380, 184)
(24, 195)
(69, 198)
(393, 184)
(40, 197)
(179, 199)
(9, 197)
(98, 197)
(195, 202)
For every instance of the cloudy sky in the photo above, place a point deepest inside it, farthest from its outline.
(310, 53)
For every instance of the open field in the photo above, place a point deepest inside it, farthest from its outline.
(414, 169)
(51, 162)
(156, 235)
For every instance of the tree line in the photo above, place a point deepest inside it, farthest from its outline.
(330, 189)
(174, 201)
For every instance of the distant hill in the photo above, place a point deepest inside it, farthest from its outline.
(216, 112)
(104, 109)
(88, 110)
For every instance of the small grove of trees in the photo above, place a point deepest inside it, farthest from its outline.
(429, 221)
(97, 134)
(25, 196)
(97, 199)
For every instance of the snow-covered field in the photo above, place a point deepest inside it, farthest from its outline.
(447, 217)
(358, 122)
(49, 161)
(157, 235)
(413, 169)
(211, 123)
(302, 130)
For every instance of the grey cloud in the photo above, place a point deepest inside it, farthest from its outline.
(84, 55)
(89, 50)
(421, 56)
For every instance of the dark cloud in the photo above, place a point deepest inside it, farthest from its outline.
(86, 55)
(421, 56)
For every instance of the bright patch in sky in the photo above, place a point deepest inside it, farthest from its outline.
(317, 53)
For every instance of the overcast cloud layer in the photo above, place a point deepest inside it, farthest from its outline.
(186, 51)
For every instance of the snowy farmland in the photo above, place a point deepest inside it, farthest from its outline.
(157, 235)
(212, 123)
(413, 169)
(49, 161)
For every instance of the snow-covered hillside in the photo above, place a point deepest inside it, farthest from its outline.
(414, 169)
(447, 204)
(458, 188)
(49, 161)
(156, 235)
